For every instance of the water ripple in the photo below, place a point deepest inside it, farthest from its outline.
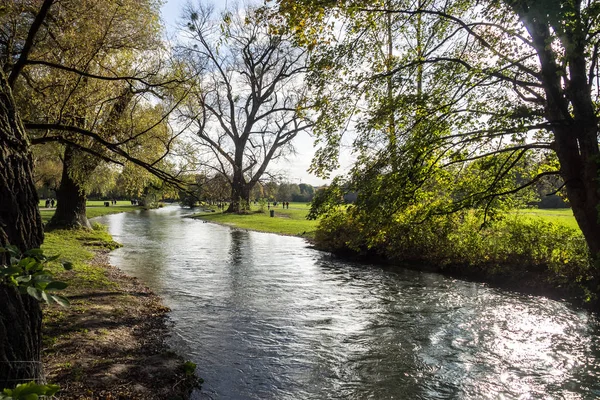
(266, 317)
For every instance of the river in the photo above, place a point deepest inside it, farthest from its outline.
(267, 317)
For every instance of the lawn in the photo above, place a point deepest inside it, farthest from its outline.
(294, 222)
(95, 208)
(290, 221)
(560, 216)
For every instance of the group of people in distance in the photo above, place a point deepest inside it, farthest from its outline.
(50, 202)
(284, 204)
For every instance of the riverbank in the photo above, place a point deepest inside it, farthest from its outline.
(289, 221)
(94, 208)
(110, 343)
(525, 254)
(533, 251)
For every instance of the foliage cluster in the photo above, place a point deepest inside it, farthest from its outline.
(28, 273)
(510, 248)
(29, 391)
(454, 105)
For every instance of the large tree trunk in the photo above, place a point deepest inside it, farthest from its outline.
(70, 209)
(240, 197)
(20, 225)
(240, 194)
(571, 112)
(579, 169)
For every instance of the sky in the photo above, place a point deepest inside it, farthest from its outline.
(294, 168)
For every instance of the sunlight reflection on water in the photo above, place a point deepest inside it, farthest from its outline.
(266, 317)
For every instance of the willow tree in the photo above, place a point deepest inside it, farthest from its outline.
(94, 64)
(21, 226)
(246, 107)
(20, 221)
(520, 87)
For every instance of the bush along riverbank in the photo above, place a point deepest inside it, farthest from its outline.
(532, 256)
(110, 343)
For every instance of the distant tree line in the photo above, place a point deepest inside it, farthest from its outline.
(216, 189)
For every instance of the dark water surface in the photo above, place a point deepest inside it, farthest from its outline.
(266, 317)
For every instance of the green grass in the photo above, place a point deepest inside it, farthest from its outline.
(294, 222)
(95, 208)
(76, 246)
(559, 216)
(290, 221)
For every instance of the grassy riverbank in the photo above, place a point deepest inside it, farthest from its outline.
(109, 343)
(94, 208)
(290, 221)
(530, 251)
(538, 251)
(293, 221)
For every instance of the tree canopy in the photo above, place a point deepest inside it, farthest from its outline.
(69, 69)
(246, 105)
(487, 100)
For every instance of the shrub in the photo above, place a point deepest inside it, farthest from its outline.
(508, 247)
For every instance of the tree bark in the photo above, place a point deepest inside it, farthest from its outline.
(20, 225)
(70, 209)
(571, 112)
(579, 169)
(240, 195)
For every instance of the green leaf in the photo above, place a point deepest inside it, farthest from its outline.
(42, 279)
(67, 265)
(24, 278)
(35, 293)
(53, 258)
(10, 271)
(46, 298)
(33, 265)
(25, 261)
(13, 250)
(24, 390)
(51, 390)
(35, 253)
(56, 285)
(60, 300)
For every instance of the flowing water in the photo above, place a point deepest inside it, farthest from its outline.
(267, 317)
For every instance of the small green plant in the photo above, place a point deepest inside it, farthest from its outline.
(27, 272)
(189, 368)
(29, 391)
(99, 227)
(262, 205)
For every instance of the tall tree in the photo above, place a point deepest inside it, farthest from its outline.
(21, 226)
(122, 39)
(20, 222)
(521, 86)
(247, 103)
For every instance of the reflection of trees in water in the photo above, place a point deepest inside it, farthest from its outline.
(237, 248)
(240, 269)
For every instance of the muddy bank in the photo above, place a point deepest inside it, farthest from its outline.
(110, 344)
